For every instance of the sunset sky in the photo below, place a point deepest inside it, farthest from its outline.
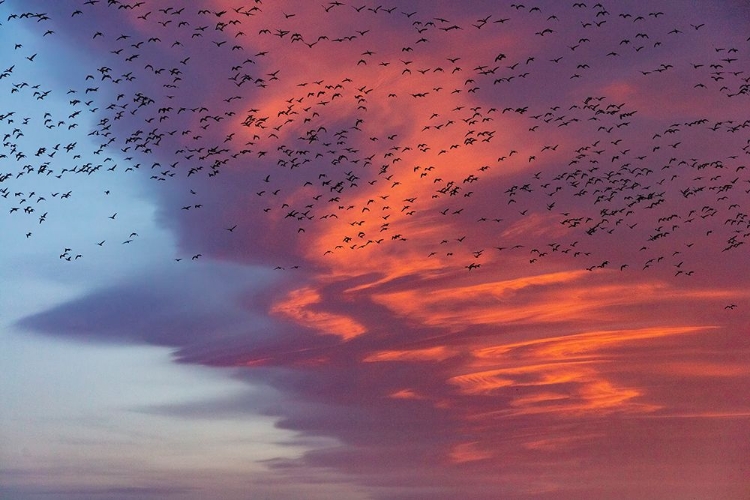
(413, 250)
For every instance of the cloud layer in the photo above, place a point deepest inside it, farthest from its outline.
(490, 251)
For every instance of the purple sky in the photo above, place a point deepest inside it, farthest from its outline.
(402, 251)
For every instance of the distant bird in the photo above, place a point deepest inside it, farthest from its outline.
(615, 179)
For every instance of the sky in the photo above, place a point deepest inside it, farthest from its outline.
(410, 250)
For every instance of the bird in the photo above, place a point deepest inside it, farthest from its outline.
(288, 137)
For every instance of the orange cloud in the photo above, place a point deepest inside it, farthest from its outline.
(484, 303)
(583, 344)
(547, 298)
(563, 375)
(299, 306)
(438, 353)
(581, 389)
(468, 452)
(405, 394)
(556, 443)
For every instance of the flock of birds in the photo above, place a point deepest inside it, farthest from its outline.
(185, 94)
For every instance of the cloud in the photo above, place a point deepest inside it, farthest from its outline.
(465, 273)
(165, 308)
